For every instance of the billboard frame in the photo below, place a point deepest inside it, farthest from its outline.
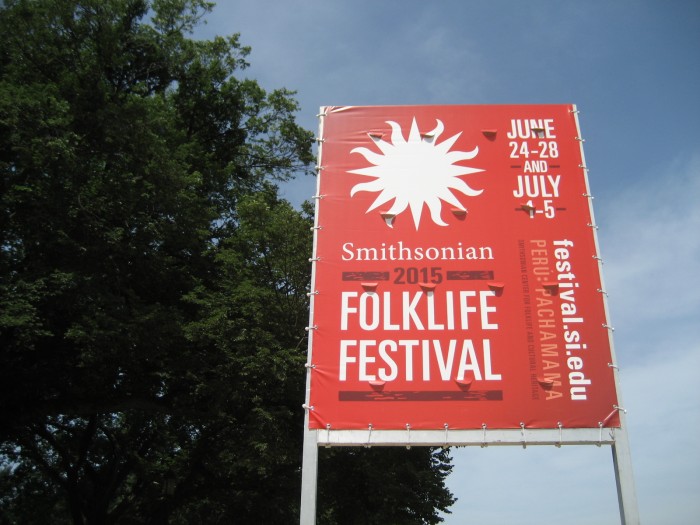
(613, 436)
(616, 438)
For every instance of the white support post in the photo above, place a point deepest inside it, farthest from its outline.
(309, 467)
(309, 473)
(624, 478)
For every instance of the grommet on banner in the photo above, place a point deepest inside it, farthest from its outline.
(319, 168)
(574, 111)
(309, 294)
(600, 290)
(613, 365)
(483, 439)
(314, 259)
(583, 167)
(408, 438)
(369, 436)
(522, 433)
(608, 327)
(588, 195)
(560, 426)
(446, 428)
(597, 258)
(316, 228)
(307, 407)
(580, 139)
(592, 226)
(317, 196)
(310, 365)
(308, 328)
(600, 434)
(321, 115)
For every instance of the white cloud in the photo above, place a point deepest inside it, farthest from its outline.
(651, 244)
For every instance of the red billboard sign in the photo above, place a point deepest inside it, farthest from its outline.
(456, 277)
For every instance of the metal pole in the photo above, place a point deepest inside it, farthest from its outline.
(309, 467)
(309, 471)
(624, 478)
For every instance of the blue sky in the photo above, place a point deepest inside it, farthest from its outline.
(632, 68)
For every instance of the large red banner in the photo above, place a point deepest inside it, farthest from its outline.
(457, 279)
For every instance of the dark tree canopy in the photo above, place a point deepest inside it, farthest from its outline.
(153, 283)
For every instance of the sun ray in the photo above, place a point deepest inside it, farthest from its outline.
(414, 134)
(387, 148)
(384, 197)
(445, 145)
(375, 185)
(371, 156)
(369, 171)
(399, 206)
(463, 187)
(437, 131)
(457, 171)
(396, 135)
(416, 210)
(456, 156)
(450, 198)
(435, 206)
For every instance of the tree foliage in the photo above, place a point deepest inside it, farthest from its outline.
(383, 485)
(152, 282)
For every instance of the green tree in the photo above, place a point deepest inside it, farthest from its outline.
(152, 282)
(386, 485)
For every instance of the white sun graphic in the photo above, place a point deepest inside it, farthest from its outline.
(415, 172)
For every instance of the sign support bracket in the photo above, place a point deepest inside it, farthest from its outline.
(624, 477)
(309, 476)
(615, 437)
